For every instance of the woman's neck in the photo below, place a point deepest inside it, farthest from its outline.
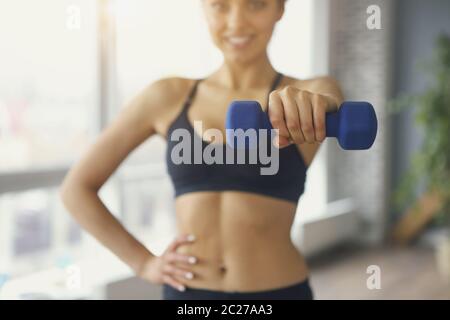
(241, 77)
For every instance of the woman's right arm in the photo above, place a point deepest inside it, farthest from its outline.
(79, 190)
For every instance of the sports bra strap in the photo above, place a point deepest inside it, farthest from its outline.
(277, 81)
(191, 94)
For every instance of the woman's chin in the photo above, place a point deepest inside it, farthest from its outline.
(239, 57)
(246, 56)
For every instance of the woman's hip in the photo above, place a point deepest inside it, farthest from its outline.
(296, 291)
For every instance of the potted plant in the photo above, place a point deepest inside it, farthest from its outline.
(430, 166)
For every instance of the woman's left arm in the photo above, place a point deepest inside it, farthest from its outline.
(298, 110)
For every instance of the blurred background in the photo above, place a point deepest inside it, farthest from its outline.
(68, 67)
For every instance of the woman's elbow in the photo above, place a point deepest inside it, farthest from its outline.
(72, 189)
(67, 192)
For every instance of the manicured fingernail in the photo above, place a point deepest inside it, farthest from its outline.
(181, 288)
(189, 275)
(191, 237)
(192, 260)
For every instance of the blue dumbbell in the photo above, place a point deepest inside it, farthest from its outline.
(354, 125)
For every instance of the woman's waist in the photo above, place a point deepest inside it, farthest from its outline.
(247, 273)
(252, 265)
(235, 240)
(239, 248)
(242, 240)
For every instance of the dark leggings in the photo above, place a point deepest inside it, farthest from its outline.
(298, 291)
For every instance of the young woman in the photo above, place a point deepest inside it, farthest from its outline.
(233, 224)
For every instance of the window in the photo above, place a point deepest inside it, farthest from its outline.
(31, 222)
(36, 226)
(47, 83)
(51, 108)
(48, 116)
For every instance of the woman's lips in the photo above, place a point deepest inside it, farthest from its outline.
(239, 42)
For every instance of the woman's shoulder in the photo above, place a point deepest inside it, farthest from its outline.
(169, 90)
(165, 98)
(165, 95)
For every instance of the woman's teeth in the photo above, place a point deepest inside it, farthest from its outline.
(239, 41)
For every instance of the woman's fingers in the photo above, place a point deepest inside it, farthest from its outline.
(304, 106)
(172, 274)
(174, 283)
(291, 115)
(299, 115)
(180, 240)
(319, 115)
(173, 257)
(177, 273)
(276, 116)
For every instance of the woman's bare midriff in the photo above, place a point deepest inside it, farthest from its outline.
(242, 241)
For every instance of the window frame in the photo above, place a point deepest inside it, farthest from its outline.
(107, 106)
(17, 181)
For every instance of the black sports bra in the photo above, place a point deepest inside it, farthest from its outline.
(288, 183)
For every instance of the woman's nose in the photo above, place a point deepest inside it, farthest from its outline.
(236, 18)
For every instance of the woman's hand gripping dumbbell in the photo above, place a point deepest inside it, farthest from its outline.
(354, 125)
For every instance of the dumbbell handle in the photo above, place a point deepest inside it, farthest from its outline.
(332, 124)
(354, 125)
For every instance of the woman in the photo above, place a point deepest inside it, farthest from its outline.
(233, 225)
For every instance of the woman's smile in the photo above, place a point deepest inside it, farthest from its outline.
(239, 42)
